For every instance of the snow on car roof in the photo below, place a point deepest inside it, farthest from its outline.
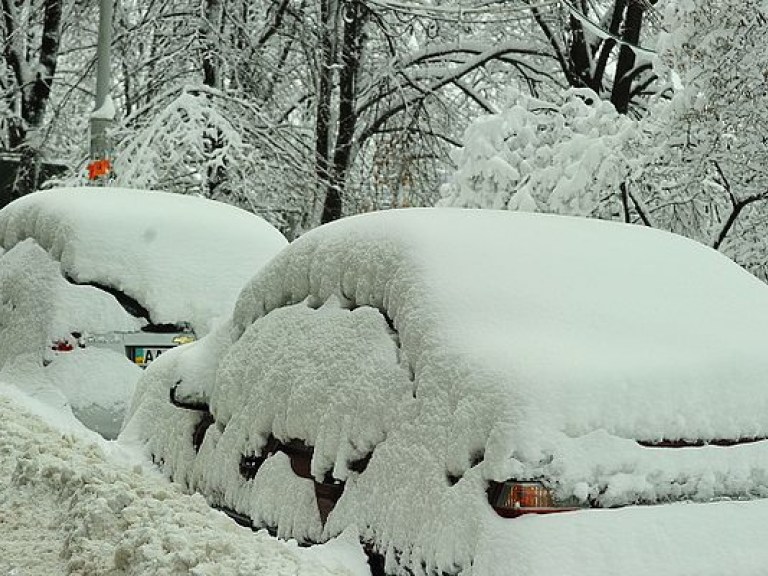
(575, 325)
(183, 258)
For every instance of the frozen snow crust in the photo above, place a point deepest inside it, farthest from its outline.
(461, 346)
(184, 258)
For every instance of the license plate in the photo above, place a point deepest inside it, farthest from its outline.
(144, 356)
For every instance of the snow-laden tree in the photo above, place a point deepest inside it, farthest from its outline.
(600, 45)
(697, 164)
(707, 175)
(569, 157)
(203, 141)
(379, 87)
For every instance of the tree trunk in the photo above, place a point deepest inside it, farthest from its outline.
(324, 96)
(35, 93)
(14, 54)
(578, 56)
(209, 30)
(622, 85)
(351, 50)
(210, 27)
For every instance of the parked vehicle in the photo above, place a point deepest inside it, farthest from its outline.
(90, 271)
(441, 381)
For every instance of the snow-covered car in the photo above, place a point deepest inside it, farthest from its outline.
(439, 379)
(104, 280)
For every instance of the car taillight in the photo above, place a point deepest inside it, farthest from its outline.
(528, 496)
(61, 345)
(511, 499)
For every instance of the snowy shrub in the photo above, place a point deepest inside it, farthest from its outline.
(568, 157)
(695, 165)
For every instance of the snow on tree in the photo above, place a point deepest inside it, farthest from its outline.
(199, 140)
(569, 157)
(30, 36)
(695, 165)
(707, 175)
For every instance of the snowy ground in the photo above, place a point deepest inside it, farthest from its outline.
(69, 506)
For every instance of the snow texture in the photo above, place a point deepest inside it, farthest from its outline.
(98, 385)
(564, 157)
(184, 258)
(68, 508)
(462, 346)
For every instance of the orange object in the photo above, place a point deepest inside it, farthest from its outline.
(529, 496)
(511, 499)
(99, 168)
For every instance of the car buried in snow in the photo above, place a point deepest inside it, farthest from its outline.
(482, 392)
(104, 280)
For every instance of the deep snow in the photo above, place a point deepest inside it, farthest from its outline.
(71, 504)
(369, 334)
(182, 258)
(466, 346)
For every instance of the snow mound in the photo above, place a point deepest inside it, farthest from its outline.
(68, 509)
(37, 307)
(638, 541)
(98, 385)
(184, 258)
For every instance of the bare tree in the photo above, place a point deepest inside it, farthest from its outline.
(598, 49)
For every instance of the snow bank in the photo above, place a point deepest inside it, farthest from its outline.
(184, 258)
(98, 385)
(65, 508)
(459, 347)
(677, 539)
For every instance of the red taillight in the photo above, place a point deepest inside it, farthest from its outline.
(511, 499)
(61, 346)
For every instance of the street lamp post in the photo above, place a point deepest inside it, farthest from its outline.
(104, 113)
